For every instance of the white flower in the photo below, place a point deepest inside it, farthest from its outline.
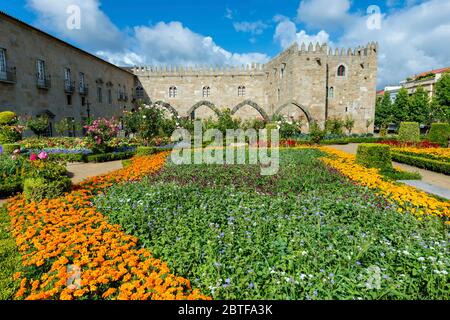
(421, 259)
(144, 117)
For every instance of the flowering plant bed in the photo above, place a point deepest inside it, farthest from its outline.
(55, 237)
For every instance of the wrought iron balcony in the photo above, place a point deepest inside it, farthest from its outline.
(43, 82)
(69, 86)
(8, 76)
(83, 89)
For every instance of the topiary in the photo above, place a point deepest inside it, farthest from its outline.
(374, 156)
(409, 132)
(7, 118)
(439, 133)
(38, 189)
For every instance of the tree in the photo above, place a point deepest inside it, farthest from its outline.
(441, 101)
(383, 110)
(63, 126)
(419, 106)
(349, 123)
(401, 107)
(39, 125)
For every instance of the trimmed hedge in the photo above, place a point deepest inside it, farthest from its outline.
(7, 118)
(9, 148)
(105, 157)
(38, 189)
(9, 188)
(409, 132)
(374, 156)
(148, 151)
(424, 163)
(439, 133)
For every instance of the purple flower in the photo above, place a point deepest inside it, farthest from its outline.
(251, 285)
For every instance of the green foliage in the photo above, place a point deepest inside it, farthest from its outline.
(419, 106)
(38, 125)
(401, 106)
(316, 133)
(105, 157)
(256, 124)
(442, 98)
(10, 134)
(148, 122)
(7, 118)
(38, 189)
(303, 233)
(422, 162)
(147, 151)
(10, 148)
(64, 126)
(409, 132)
(12, 172)
(10, 260)
(349, 123)
(226, 121)
(374, 156)
(439, 133)
(334, 126)
(383, 110)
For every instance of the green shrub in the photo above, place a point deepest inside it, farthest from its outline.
(8, 188)
(9, 148)
(409, 132)
(439, 133)
(7, 118)
(334, 126)
(38, 189)
(9, 134)
(316, 133)
(39, 125)
(421, 162)
(105, 157)
(374, 156)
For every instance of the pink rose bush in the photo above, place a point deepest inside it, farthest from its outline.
(100, 132)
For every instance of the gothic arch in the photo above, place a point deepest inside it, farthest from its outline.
(208, 104)
(167, 106)
(298, 105)
(252, 104)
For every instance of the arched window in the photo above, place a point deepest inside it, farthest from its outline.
(139, 92)
(241, 91)
(341, 71)
(173, 91)
(206, 92)
(331, 92)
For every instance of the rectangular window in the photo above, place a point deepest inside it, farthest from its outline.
(40, 64)
(109, 96)
(99, 95)
(69, 99)
(82, 83)
(67, 75)
(83, 101)
(2, 63)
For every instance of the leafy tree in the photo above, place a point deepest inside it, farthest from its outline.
(401, 107)
(419, 106)
(441, 101)
(38, 125)
(349, 124)
(383, 110)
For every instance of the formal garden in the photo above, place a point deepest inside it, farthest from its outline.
(327, 225)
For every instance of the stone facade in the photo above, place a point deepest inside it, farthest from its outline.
(22, 92)
(295, 83)
(314, 83)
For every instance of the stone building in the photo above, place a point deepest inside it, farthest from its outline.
(314, 83)
(43, 75)
(40, 74)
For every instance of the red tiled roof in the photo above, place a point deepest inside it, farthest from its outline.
(381, 92)
(437, 71)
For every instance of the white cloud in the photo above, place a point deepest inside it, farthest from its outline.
(255, 27)
(412, 39)
(324, 13)
(286, 34)
(229, 13)
(162, 43)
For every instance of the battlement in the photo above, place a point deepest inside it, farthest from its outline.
(253, 68)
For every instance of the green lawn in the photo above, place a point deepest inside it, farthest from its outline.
(305, 233)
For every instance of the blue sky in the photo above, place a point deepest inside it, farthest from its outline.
(411, 32)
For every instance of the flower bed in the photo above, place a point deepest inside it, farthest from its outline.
(54, 235)
(304, 233)
(439, 154)
(408, 199)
